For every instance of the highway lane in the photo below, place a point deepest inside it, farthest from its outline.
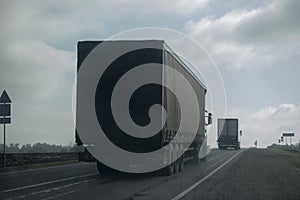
(24, 178)
(78, 181)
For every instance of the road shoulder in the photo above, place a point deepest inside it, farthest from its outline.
(258, 174)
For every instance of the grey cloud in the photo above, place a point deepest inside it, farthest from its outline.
(277, 22)
(249, 38)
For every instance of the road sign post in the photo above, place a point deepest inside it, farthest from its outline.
(286, 135)
(4, 144)
(241, 133)
(5, 114)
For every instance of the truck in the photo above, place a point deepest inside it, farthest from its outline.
(149, 51)
(228, 133)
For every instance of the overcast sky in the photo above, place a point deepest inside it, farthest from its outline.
(255, 44)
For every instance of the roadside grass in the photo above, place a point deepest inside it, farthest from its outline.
(292, 156)
(36, 166)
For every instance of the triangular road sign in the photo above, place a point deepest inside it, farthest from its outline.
(5, 98)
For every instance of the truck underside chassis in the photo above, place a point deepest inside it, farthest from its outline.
(225, 146)
(196, 152)
(193, 153)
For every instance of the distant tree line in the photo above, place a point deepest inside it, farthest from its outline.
(39, 148)
(291, 146)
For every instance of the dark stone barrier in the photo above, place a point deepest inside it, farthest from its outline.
(18, 159)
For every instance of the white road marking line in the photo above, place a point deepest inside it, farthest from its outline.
(217, 156)
(191, 158)
(47, 183)
(51, 190)
(186, 191)
(59, 195)
(214, 164)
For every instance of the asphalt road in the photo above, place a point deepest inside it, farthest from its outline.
(227, 174)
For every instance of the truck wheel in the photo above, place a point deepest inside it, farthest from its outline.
(181, 163)
(176, 166)
(103, 169)
(177, 162)
(168, 170)
(196, 158)
(203, 159)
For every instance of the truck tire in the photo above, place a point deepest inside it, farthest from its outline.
(203, 159)
(237, 147)
(176, 166)
(196, 159)
(181, 163)
(177, 162)
(103, 169)
(168, 170)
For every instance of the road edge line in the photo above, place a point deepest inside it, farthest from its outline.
(47, 183)
(189, 189)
